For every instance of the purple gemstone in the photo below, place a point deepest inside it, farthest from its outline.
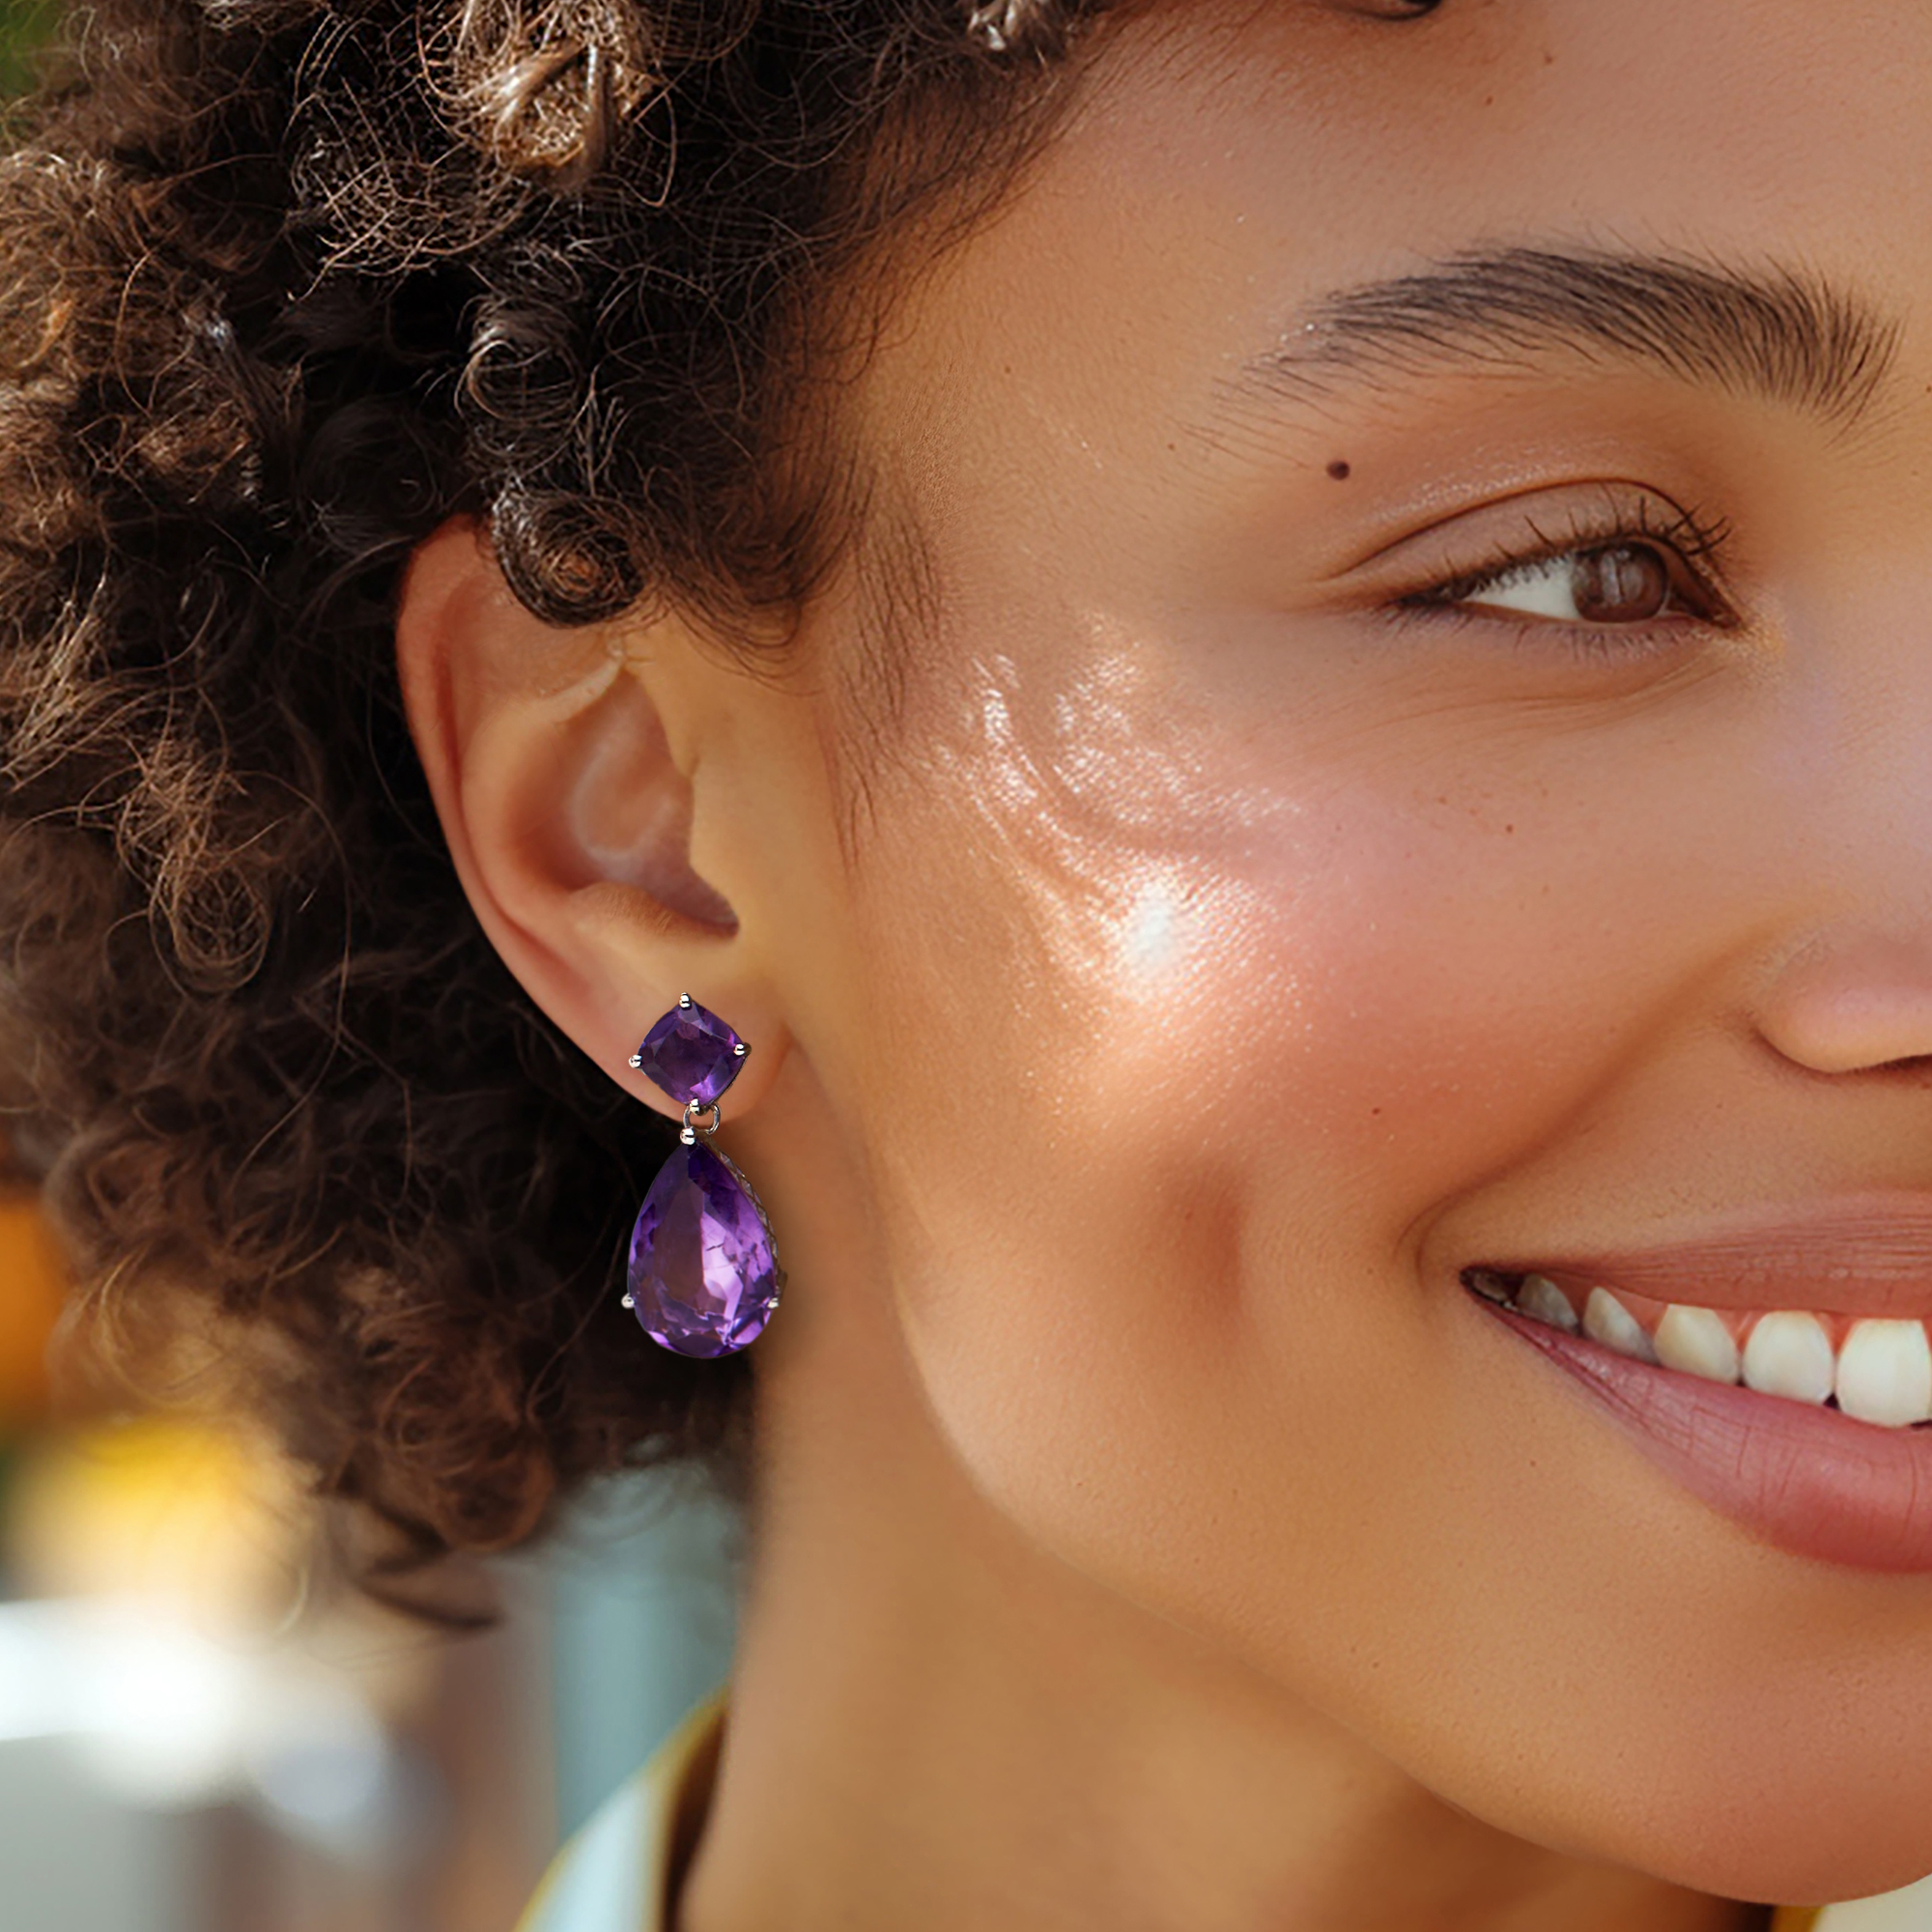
(691, 1053)
(705, 1275)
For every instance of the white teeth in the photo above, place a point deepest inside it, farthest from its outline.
(1881, 1374)
(1884, 1373)
(1608, 1321)
(1788, 1353)
(1695, 1342)
(1540, 1298)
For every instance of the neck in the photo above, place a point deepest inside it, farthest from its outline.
(935, 1723)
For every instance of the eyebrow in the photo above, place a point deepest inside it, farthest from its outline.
(1780, 334)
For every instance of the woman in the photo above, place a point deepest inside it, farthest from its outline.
(1275, 657)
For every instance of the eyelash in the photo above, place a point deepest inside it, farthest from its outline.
(1692, 542)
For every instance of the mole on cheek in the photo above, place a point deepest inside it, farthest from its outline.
(1339, 470)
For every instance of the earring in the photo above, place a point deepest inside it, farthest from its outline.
(704, 1275)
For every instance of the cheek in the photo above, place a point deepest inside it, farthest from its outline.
(1187, 1030)
(1185, 1035)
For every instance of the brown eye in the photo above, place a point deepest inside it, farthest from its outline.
(1620, 584)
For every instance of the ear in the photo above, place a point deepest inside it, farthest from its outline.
(562, 766)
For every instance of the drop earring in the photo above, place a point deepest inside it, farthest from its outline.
(704, 1275)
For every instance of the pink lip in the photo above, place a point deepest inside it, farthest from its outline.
(1808, 1480)
(1856, 1255)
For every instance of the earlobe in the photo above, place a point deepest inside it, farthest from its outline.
(557, 773)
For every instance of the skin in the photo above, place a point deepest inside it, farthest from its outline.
(1206, 956)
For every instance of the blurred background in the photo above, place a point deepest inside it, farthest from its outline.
(203, 1730)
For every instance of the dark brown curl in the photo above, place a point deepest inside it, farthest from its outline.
(284, 285)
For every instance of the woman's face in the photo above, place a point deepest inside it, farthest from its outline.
(1404, 745)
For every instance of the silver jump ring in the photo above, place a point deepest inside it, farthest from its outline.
(694, 1127)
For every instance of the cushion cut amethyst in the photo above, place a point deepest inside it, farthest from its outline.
(692, 1053)
(703, 1273)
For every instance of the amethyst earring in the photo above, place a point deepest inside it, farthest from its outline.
(704, 1275)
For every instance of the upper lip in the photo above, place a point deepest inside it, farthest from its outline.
(1867, 1254)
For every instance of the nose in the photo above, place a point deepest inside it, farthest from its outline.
(1856, 1005)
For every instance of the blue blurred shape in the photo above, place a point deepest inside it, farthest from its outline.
(643, 1615)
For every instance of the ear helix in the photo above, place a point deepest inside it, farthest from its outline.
(703, 1276)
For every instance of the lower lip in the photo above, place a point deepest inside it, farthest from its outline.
(1809, 1480)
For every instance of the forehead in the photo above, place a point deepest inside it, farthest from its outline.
(1753, 120)
(1234, 168)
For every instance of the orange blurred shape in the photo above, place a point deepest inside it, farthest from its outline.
(32, 1283)
(164, 1507)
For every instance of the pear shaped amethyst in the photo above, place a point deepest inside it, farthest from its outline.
(704, 1273)
(692, 1053)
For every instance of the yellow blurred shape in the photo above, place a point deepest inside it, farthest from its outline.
(31, 1287)
(162, 1507)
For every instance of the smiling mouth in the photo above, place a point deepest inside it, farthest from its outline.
(1775, 1364)
(1874, 1369)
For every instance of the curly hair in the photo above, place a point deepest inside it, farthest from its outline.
(285, 284)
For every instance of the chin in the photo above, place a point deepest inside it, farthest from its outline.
(1770, 1832)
